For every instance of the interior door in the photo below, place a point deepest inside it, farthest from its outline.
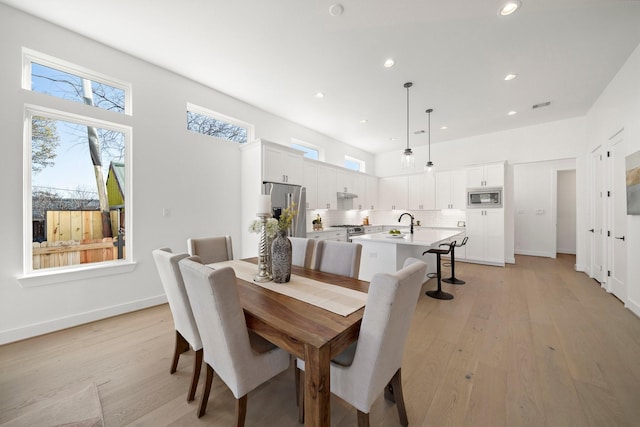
(597, 216)
(618, 220)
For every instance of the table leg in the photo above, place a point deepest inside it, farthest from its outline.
(317, 387)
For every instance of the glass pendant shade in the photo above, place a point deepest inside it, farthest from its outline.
(408, 160)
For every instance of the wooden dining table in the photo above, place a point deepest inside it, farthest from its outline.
(311, 333)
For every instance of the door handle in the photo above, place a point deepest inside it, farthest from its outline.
(620, 238)
(591, 230)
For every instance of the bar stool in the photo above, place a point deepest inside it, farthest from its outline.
(439, 294)
(453, 279)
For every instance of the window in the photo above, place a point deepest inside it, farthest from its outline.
(310, 150)
(354, 164)
(210, 123)
(77, 182)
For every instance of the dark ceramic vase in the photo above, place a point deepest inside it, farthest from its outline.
(281, 258)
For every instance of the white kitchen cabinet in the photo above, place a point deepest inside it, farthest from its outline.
(488, 175)
(371, 193)
(392, 193)
(422, 191)
(485, 229)
(326, 194)
(282, 164)
(346, 181)
(310, 182)
(451, 189)
(339, 235)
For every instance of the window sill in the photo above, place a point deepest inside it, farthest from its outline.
(52, 276)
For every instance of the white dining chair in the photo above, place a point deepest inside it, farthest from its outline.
(372, 364)
(341, 258)
(187, 333)
(302, 251)
(211, 249)
(242, 360)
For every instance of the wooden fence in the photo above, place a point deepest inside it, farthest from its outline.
(71, 252)
(75, 237)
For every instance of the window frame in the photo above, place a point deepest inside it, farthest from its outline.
(310, 146)
(362, 163)
(223, 118)
(57, 108)
(29, 56)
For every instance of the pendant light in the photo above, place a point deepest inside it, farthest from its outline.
(407, 160)
(429, 166)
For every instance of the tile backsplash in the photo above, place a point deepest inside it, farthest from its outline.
(431, 218)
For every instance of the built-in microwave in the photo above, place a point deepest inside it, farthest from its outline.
(484, 197)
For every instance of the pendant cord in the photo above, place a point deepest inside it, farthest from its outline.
(407, 115)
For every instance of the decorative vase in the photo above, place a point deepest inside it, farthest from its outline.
(281, 258)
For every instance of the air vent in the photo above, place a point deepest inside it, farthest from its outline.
(542, 104)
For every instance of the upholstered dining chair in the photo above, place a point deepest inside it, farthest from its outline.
(302, 251)
(341, 258)
(242, 360)
(186, 329)
(372, 364)
(211, 249)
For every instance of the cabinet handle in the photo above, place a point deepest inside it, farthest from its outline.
(620, 238)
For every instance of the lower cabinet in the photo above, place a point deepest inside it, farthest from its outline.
(485, 229)
(340, 235)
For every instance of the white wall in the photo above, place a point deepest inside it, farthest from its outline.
(195, 176)
(534, 187)
(563, 139)
(566, 212)
(619, 107)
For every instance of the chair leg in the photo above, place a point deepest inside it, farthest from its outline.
(205, 395)
(196, 375)
(396, 384)
(363, 419)
(453, 280)
(300, 394)
(180, 347)
(241, 410)
(439, 294)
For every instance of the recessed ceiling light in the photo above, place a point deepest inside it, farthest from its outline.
(389, 63)
(510, 77)
(444, 127)
(364, 121)
(393, 139)
(509, 7)
(512, 113)
(319, 95)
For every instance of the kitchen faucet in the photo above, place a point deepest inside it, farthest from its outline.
(410, 216)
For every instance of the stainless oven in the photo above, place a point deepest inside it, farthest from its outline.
(352, 230)
(484, 197)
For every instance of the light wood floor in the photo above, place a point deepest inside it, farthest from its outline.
(532, 344)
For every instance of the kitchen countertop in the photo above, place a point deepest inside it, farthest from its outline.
(418, 238)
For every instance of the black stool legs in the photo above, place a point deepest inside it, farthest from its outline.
(453, 279)
(439, 293)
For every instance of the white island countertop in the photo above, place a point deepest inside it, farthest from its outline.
(418, 238)
(384, 254)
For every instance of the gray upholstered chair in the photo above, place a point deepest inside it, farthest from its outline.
(186, 329)
(338, 258)
(302, 251)
(211, 249)
(242, 360)
(372, 364)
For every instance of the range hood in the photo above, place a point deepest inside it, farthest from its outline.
(345, 201)
(342, 195)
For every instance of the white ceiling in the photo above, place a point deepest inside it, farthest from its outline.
(277, 54)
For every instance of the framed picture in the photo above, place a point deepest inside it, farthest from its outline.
(632, 166)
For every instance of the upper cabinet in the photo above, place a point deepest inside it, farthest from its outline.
(310, 181)
(422, 191)
(392, 193)
(451, 189)
(489, 175)
(282, 164)
(346, 181)
(326, 187)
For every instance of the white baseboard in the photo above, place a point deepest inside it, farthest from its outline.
(536, 253)
(633, 306)
(510, 260)
(34, 330)
(580, 267)
(566, 251)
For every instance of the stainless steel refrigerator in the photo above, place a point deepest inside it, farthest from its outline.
(282, 195)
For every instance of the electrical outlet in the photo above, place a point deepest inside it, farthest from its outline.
(166, 212)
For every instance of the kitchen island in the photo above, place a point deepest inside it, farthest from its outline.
(385, 253)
